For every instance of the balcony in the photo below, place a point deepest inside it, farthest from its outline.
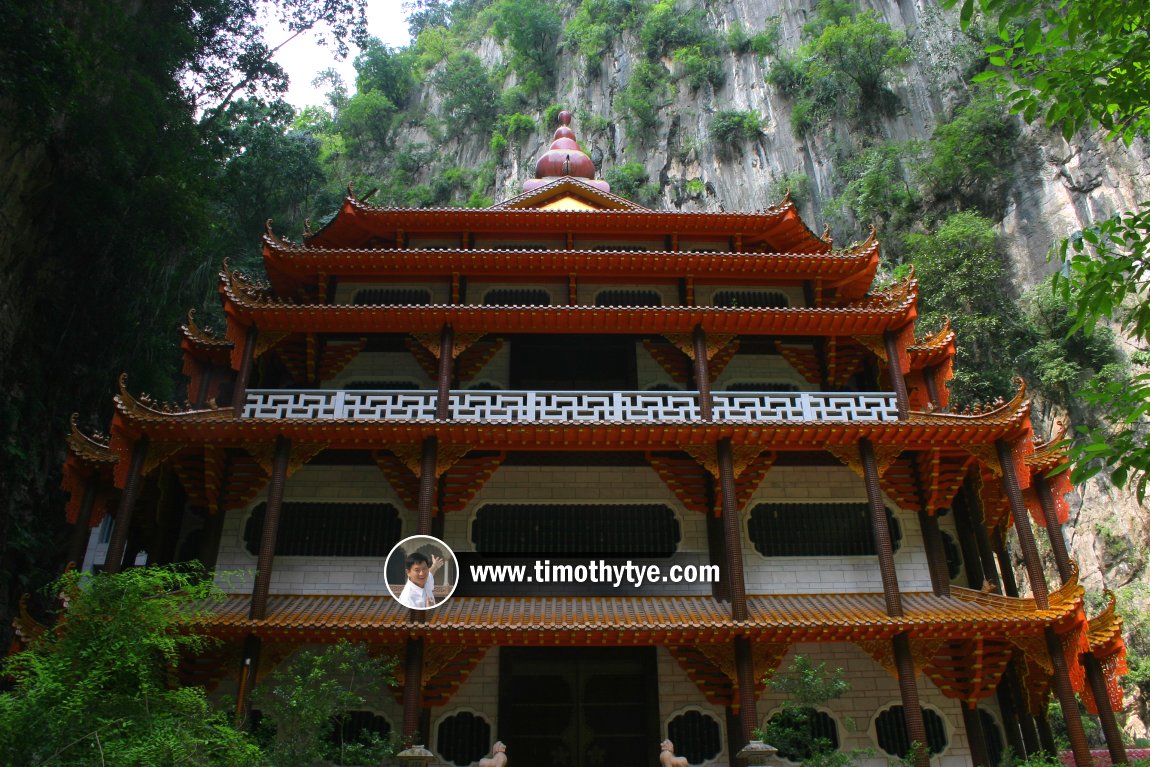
(580, 407)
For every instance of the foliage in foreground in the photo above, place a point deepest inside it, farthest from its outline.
(304, 702)
(1077, 65)
(806, 686)
(94, 689)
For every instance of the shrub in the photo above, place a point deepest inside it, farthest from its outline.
(764, 43)
(842, 67)
(631, 180)
(730, 127)
(643, 97)
(971, 155)
(797, 183)
(700, 65)
(666, 28)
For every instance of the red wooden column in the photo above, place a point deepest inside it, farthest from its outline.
(240, 390)
(259, 606)
(976, 736)
(935, 554)
(1062, 686)
(114, 560)
(896, 376)
(702, 371)
(428, 485)
(82, 531)
(1094, 673)
(907, 686)
(413, 687)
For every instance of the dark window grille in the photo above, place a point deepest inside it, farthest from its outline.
(993, 734)
(463, 738)
(517, 297)
(765, 386)
(696, 736)
(816, 529)
(391, 297)
(356, 727)
(485, 386)
(809, 724)
(953, 557)
(891, 730)
(628, 298)
(638, 530)
(368, 385)
(312, 529)
(751, 299)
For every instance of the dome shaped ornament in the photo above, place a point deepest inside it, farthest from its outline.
(564, 158)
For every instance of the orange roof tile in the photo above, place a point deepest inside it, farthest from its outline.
(854, 267)
(357, 222)
(625, 620)
(249, 303)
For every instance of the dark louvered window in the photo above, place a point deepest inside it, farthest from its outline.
(357, 727)
(953, 557)
(369, 385)
(638, 530)
(392, 297)
(810, 725)
(463, 738)
(765, 386)
(517, 297)
(751, 299)
(628, 298)
(993, 735)
(890, 727)
(696, 736)
(816, 529)
(312, 529)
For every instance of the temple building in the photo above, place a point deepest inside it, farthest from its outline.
(567, 379)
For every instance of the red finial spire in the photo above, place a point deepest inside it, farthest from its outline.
(564, 158)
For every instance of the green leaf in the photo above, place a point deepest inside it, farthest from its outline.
(966, 13)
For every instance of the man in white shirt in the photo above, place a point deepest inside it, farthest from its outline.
(419, 592)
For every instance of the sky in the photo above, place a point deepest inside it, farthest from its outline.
(304, 58)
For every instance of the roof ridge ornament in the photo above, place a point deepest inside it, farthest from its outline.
(564, 159)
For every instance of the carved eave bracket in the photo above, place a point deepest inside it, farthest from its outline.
(716, 342)
(850, 457)
(301, 453)
(446, 456)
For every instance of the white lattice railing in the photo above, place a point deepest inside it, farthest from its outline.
(551, 406)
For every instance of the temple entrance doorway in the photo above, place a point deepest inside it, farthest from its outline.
(580, 707)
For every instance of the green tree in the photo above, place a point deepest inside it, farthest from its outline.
(111, 121)
(842, 68)
(469, 98)
(532, 29)
(305, 703)
(806, 686)
(962, 275)
(1074, 65)
(95, 688)
(970, 156)
(386, 71)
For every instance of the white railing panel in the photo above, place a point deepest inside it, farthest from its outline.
(585, 407)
